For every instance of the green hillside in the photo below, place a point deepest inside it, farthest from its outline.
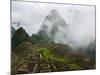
(38, 53)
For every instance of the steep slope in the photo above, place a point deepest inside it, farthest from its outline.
(54, 27)
(20, 36)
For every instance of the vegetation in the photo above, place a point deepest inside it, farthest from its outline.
(26, 50)
(49, 54)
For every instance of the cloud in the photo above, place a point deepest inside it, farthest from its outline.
(80, 19)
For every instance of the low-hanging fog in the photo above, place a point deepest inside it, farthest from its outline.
(80, 20)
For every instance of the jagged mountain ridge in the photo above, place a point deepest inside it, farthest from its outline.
(53, 28)
(21, 35)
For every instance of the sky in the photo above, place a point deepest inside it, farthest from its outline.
(80, 18)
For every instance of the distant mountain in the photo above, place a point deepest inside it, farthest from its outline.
(20, 36)
(54, 27)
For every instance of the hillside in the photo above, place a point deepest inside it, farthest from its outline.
(28, 51)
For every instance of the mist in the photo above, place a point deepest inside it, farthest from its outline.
(79, 30)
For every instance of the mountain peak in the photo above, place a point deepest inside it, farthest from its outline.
(54, 26)
(54, 11)
(53, 15)
(19, 36)
(21, 29)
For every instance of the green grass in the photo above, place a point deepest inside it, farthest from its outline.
(49, 54)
